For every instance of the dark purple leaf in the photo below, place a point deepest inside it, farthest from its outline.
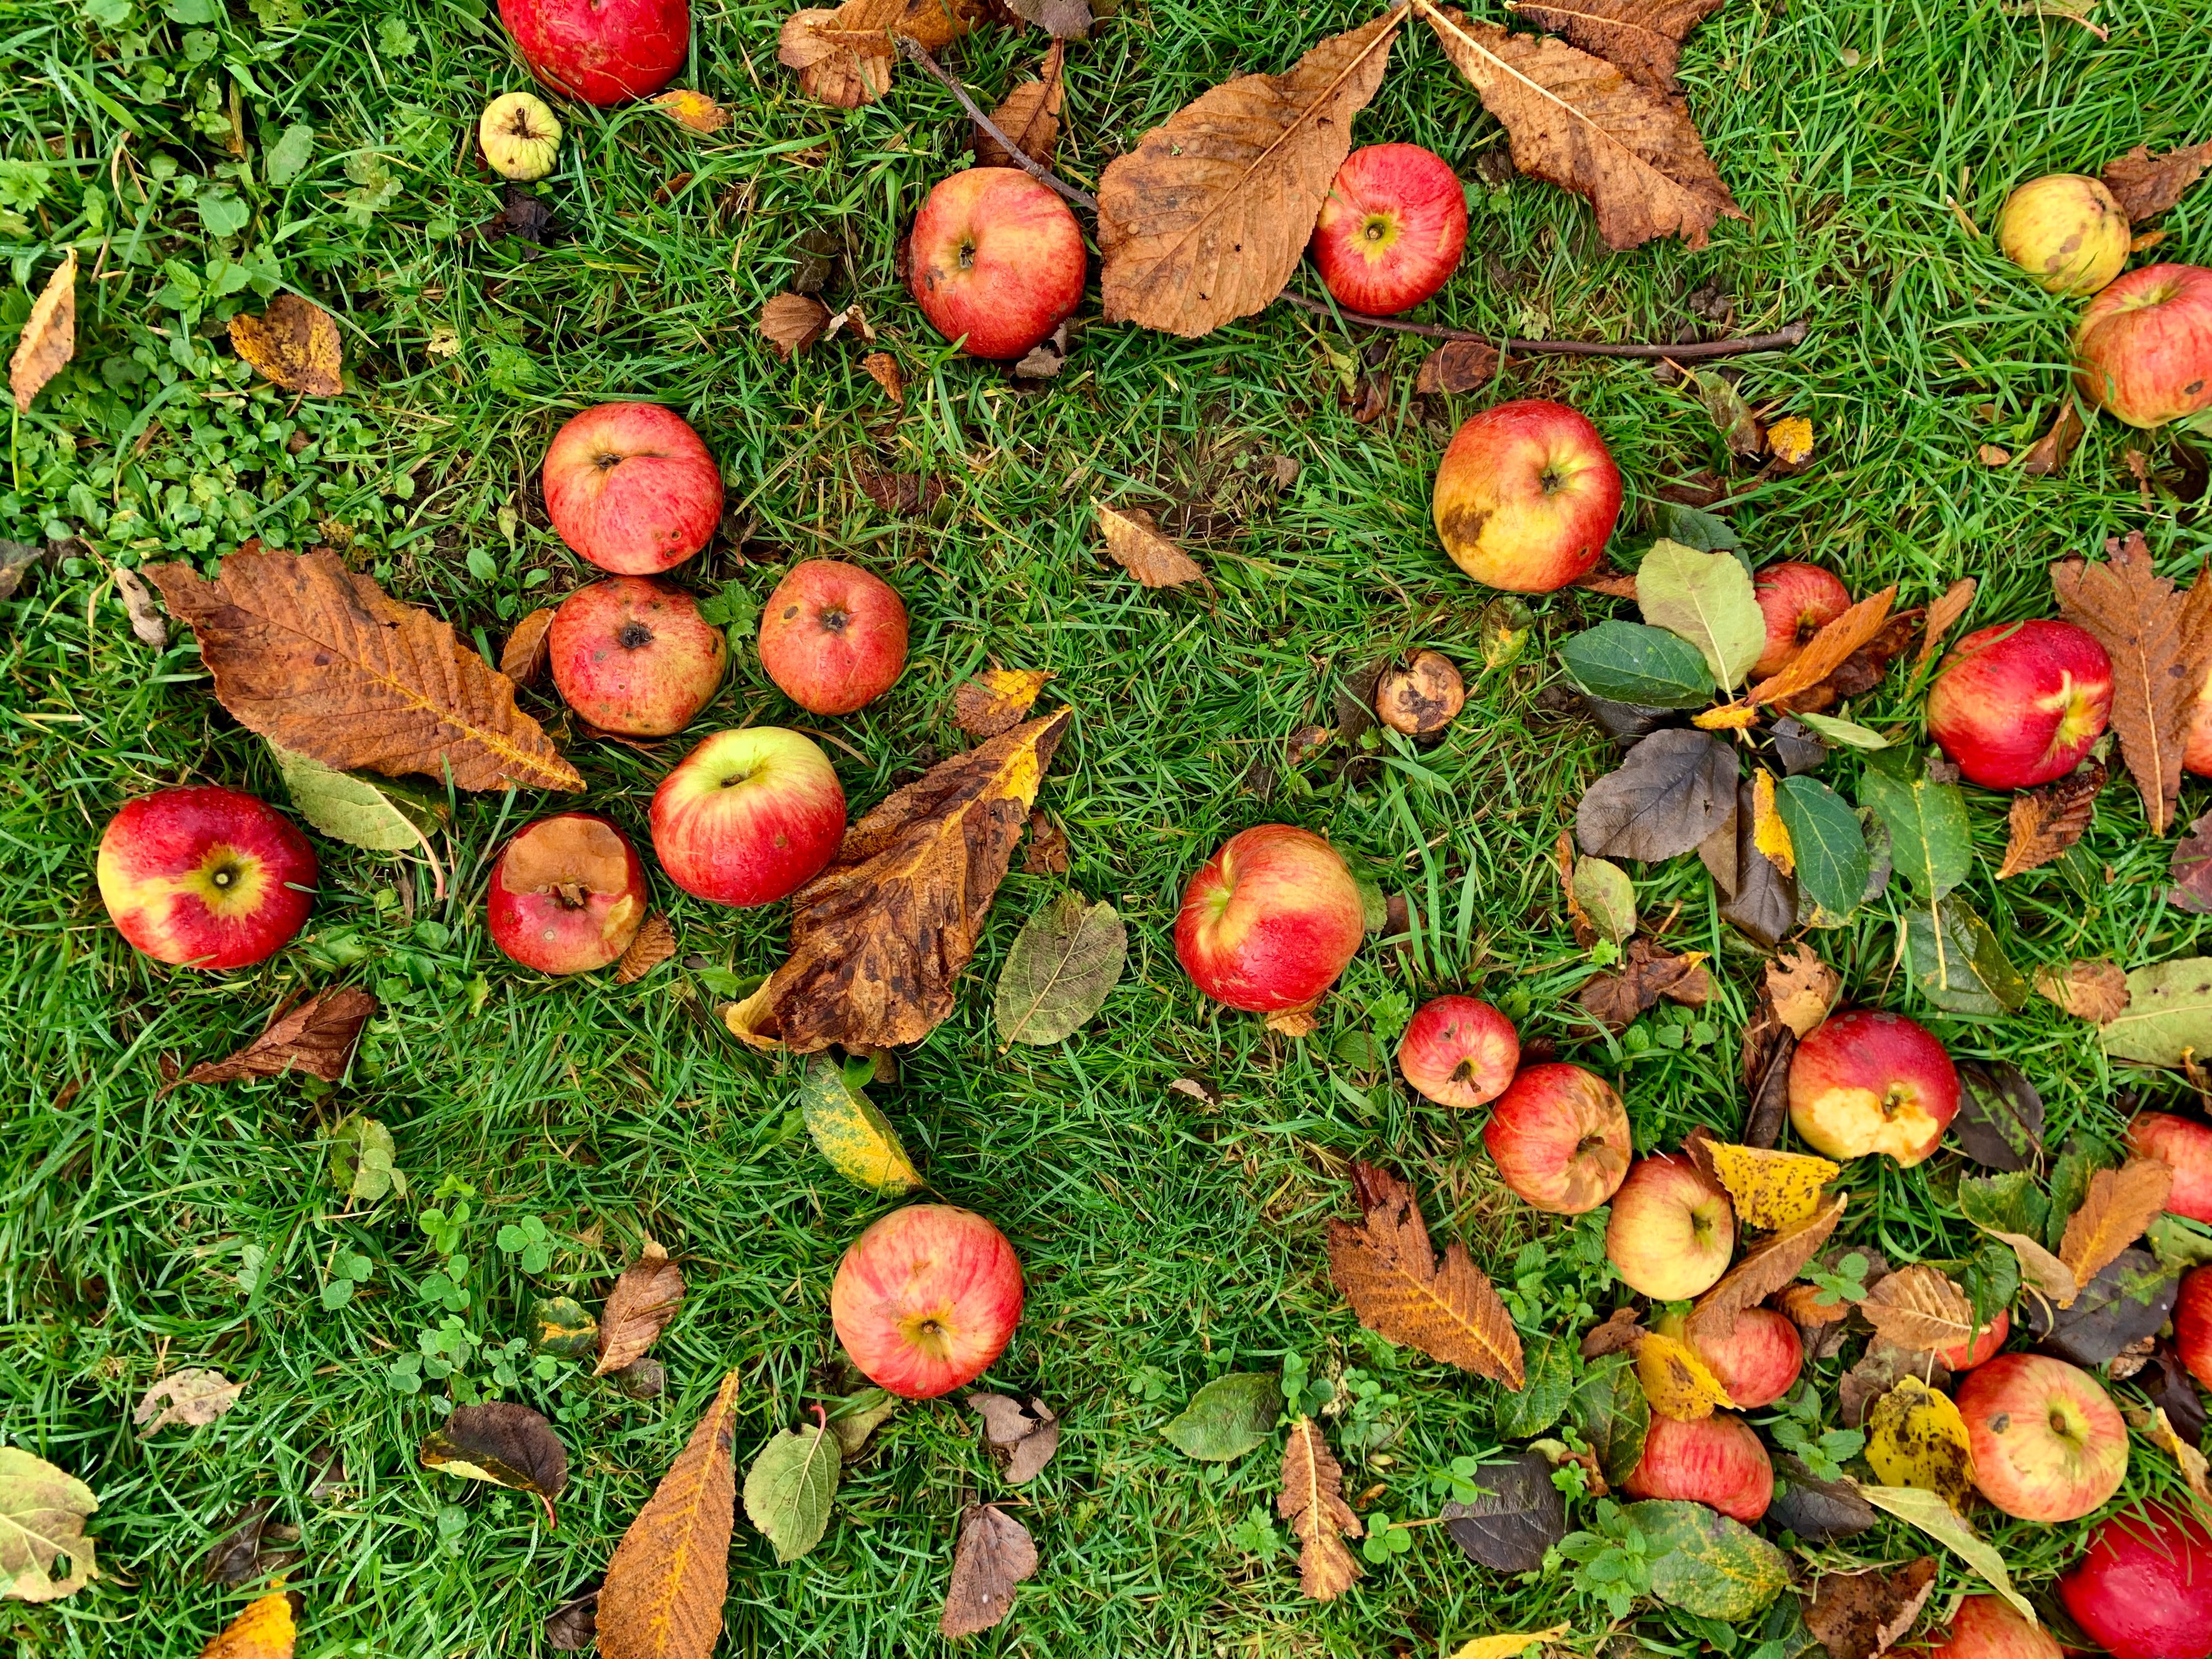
(1675, 788)
(2000, 1121)
(1521, 1515)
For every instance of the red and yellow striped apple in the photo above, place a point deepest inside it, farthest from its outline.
(2143, 1587)
(1270, 921)
(1987, 1341)
(1986, 1627)
(2048, 1443)
(1756, 1359)
(1716, 1460)
(631, 655)
(601, 51)
(2142, 351)
(1797, 600)
(927, 1298)
(2192, 1324)
(205, 876)
(1458, 1051)
(995, 261)
(1391, 229)
(833, 636)
(2185, 1146)
(567, 895)
(749, 816)
(1527, 496)
(2017, 704)
(1868, 1082)
(631, 487)
(1559, 1137)
(1671, 1231)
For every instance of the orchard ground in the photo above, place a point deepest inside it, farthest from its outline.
(1167, 1239)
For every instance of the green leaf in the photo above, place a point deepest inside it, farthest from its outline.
(1927, 1511)
(854, 1421)
(44, 1554)
(1607, 897)
(374, 813)
(1541, 1400)
(361, 1159)
(1930, 842)
(856, 1139)
(1229, 1417)
(1694, 527)
(1834, 865)
(1706, 598)
(221, 214)
(789, 1487)
(1706, 1564)
(2168, 1016)
(1066, 962)
(1848, 733)
(1613, 1415)
(559, 1325)
(288, 156)
(1627, 662)
(2009, 1203)
(1958, 962)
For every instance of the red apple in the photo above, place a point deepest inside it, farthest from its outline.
(1986, 1627)
(995, 261)
(2192, 1324)
(927, 1298)
(567, 895)
(1867, 1082)
(601, 51)
(1716, 1460)
(1964, 1356)
(631, 655)
(1270, 921)
(205, 876)
(1459, 1052)
(832, 637)
(2185, 1145)
(1671, 1231)
(1798, 600)
(2142, 350)
(2048, 1443)
(2019, 703)
(2143, 1587)
(630, 487)
(749, 816)
(1756, 1360)
(1559, 1137)
(1391, 229)
(1527, 495)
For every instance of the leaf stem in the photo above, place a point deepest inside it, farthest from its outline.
(914, 51)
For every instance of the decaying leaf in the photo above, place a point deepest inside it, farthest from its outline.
(1022, 1437)
(294, 344)
(1578, 122)
(1460, 366)
(1133, 541)
(1818, 1511)
(851, 1132)
(319, 659)
(2145, 184)
(1917, 1308)
(2120, 1204)
(883, 368)
(2047, 821)
(1917, 1437)
(1623, 1331)
(1207, 218)
(1789, 440)
(1518, 1516)
(2000, 1121)
(317, 1037)
(2186, 1453)
(844, 57)
(995, 1553)
(1048, 851)
(1942, 616)
(1802, 989)
(1769, 1190)
(2051, 452)
(644, 1299)
(996, 700)
(670, 1574)
(793, 322)
(2168, 1020)
(1312, 1501)
(146, 624)
(1917, 1507)
(903, 493)
(655, 943)
(1674, 790)
(1862, 1615)
(1642, 39)
(690, 109)
(507, 1444)
(1676, 1383)
(363, 1159)
(528, 647)
(2094, 991)
(855, 1419)
(1387, 1268)
(1768, 1266)
(1064, 964)
(574, 1625)
(560, 1325)
(790, 1485)
(1509, 1645)
(265, 1629)
(1828, 650)
(44, 1554)
(1063, 19)
(1647, 973)
(195, 1397)
(49, 338)
(1030, 115)
(1705, 1563)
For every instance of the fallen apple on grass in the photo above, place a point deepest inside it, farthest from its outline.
(1756, 1360)
(1560, 1137)
(1527, 496)
(2142, 1590)
(2192, 1324)
(1671, 1231)
(833, 636)
(1985, 1347)
(995, 261)
(1987, 1628)
(2067, 232)
(1715, 1461)
(630, 654)
(1270, 921)
(749, 816)
(2142, 351)
(2017, 704)
(205, 876)
(2048, 1443)
(2185, 1146)
(519, 136)
(631, 487)
(601, 51)
(1391, 229)
(1797, 600)
(1867, 1082)
(1458, 1051)
(567, 895)
(926, 1299)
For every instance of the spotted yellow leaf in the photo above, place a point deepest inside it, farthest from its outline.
(1676, 1381)
(1916, 1438)
(1770, 1189)
(694, 110)
(1789, 440)
(851, 1132)
(1505, 1647)
(1768, 832)
(264, 1630)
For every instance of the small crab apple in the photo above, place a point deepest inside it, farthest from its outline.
(926, 1299)
(1270, 921)
(1868, 1082)
(205, 877)
(1716, 1460)
(1560, 1137)
(2048, 1443)
(567, 895)
(2017, 704)
(631, 487)
(1391, 229)
(2066, 231)
(2142, 351)
(1459, 1052)
(1798, 600)
(1671, 1231)
(631, 654)
(995, 261)
(519, 136)
(833, 636)
(2185, 1146)
(1527, 496)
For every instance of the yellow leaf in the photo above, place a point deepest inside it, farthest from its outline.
(694, 110)
(1676, 1382)
(996, 699)
(1505, 1647)
(1789, 440)
(1943, 1523)
(1770, 1189)
(294, 343)
(49, 338)
(264, 1630)
(1728, 717)
(747, 1019)
(1768, 832)
(1916, 1438)
(849, 1130)
(2194, 1467)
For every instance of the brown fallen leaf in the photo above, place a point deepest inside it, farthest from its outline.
(995, 1553)
(1642, 39)
(265, 1629)
(654, 944)
(1298, 1022)
(1624, 1330)
(996, 699)
(1879, 1370)
(1312, 1501)
(1022, 1437)
(883, 368)
(1918, 1310)
(1942, 616)
(2094, 991)
(319, 661)
(1048, 851)
(1390, 1271)
(906, 494)
(146, 624)
(644, 1299)
(1827, 650)
(2145, 184)
(1862, 1615)
(1802, 1304)
(2047, 821)
(693, 110)
(1802, 989)
(1030, 115)
(1614, 583)
(1768, 1266)
(1044, 360)
(294, 344)
(528, 647)
(2161, 644)
(1133, 541)
(1994, 455)
(1578, 122)
(1459, 365)
(1646, 972)
(195, 1397)
(1208, 216)
(2119, 1205)
(669, 1574)
(2051, 452)
(1865, 668)
(845, 57)
(316, 1037)
(1064, 20)
(793, 322)
(49, 338)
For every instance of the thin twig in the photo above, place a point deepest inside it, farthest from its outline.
(1021, 158)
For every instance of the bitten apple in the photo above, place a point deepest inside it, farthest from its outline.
(1867, 1082)
(631, 655)
(2066, 231)
(601, 51)
(749, 816)
(1270, 921)
(1756, 1359)
(1391, 229)
(1671, 1231)
(1986, 1627)
(205, 877)
(1716, 1460)
(1798, 600)
(1527, 496)
(2192, 1324)
(926, 1299)
(995, 261)
(833, 636)
(2185, 1146)
(631, 487)
(2019, 703)
(1459, 1052)
(1560, 1137)
(1988, 1340)
(2048, 1443)
(567, 895)
(2143, 1587)
(2142, 351)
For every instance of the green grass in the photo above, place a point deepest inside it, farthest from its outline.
(1166, 1241)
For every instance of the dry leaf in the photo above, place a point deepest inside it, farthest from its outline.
(2161, 644)
(1860, 1615)
(844, 57)
(995, 1553)
(694, 110)
(2145, 184)
(146, 623)
(1298, 1022)
(294, 344)
(1509, 1646)
(1943, 616)
(654, 944)
(1463, 365)
(265, 1630)
(2040, 1271)
(1133, 541)
(1917, 1308)
(2056, 447)
(1676, 1383)
(529, 648)
(995, 700)
(1789, 440)
(1030, 115)
(1614, 583)
(2120, 1204)
(44, 1554)
(1769, 833)
(1769, 1190)
(903, 493)
(194, 1397)
(1622, 1330)
(1386, 1266)
(883, 368)
(1642, 39)
(1802, 989)
(1312, 1501)
(1827, 650)
(49, 338)
(2087, 990)
(2194, 1467)
(1578, 122)
(1048, 853)
(321, 661)
(1022, 1437)
(1646, 972)
(644, 1299)
(2047, 820)
(1766, 1267)
(879, 938)
(665, 1587)
(316, 1037)
(1207, 217)
(1994, 455)
(793, 322)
